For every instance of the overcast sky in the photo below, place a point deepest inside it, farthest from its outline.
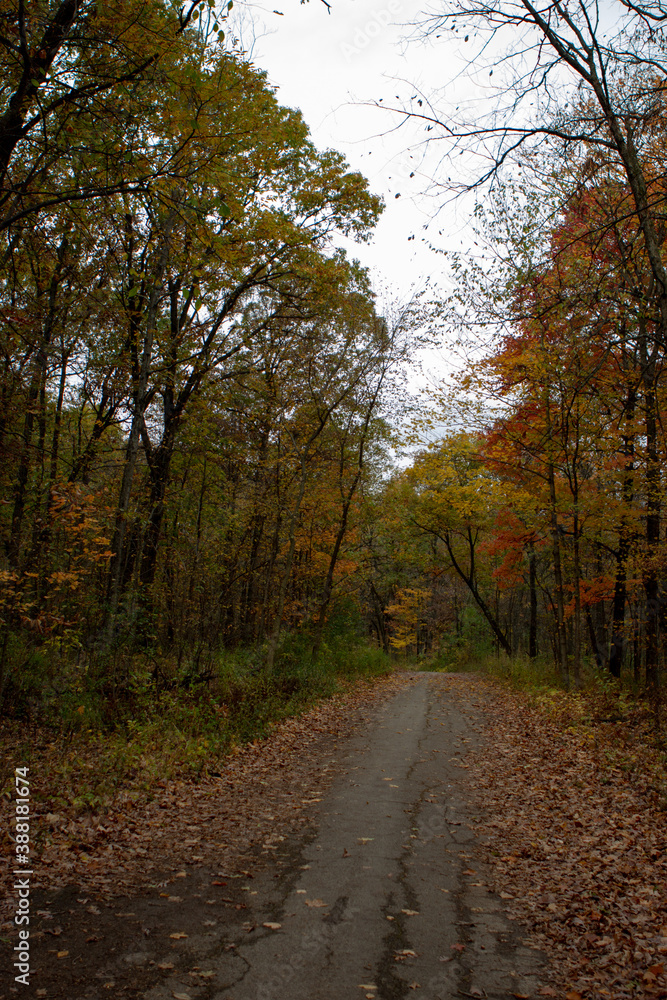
(335, 67)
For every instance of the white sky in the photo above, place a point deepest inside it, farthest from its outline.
(335, 67)
(332, 67)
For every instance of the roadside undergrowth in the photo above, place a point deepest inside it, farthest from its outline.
(263, 791)
(178, 727)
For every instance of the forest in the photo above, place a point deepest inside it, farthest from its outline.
(218, 478)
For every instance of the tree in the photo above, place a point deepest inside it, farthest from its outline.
(126, 327)
(608, 126)
(452, 497)
(78, 80)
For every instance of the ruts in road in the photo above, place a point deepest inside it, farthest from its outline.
(384, 898)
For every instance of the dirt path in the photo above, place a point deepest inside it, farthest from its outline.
(381, 893)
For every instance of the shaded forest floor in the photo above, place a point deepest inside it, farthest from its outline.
(253, 797)
(572, 827)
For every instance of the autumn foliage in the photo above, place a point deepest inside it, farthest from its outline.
(193, 376)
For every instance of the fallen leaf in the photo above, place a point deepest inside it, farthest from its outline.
(414, 986)
(271, 925)
(410, 913)
(62, 954)
(315, 902)
(178, 935)
(181, 996)
(657, 970)
(458, 947)
(573, 995)
(547, 991)
(469, 871)
(165, 965)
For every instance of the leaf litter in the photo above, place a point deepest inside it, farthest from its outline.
(572, 826)
(260, 794)
(573, 832)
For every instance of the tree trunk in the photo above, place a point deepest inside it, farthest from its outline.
(469, 579)
(625, 538)
(653, 484)
(559, 602)
(141, 397)
(532, 583)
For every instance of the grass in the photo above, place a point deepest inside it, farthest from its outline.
(179, 722)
